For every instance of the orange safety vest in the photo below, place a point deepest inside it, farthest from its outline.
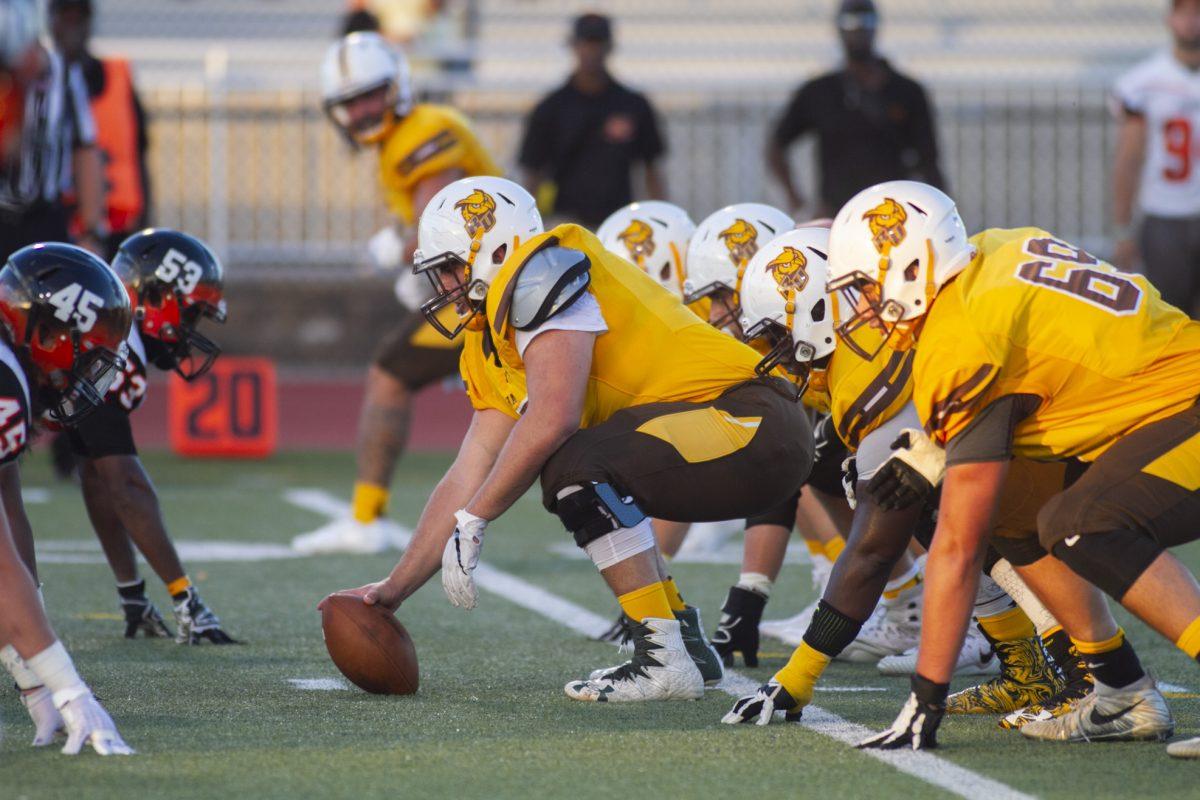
(117, 138)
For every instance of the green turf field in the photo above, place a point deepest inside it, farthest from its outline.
(490, 719)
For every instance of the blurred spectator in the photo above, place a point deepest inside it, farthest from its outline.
(54, 142)
(359, 21)
(583, 139)
(119, 116)
(1158, 103)
(872, 124)
(402, 21)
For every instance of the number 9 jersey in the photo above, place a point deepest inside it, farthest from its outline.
(1033, 315)
(1167, 96)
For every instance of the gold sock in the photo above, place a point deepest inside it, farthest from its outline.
(1189, 642)
(179, 585)
(369, 503)
(802, 672)
(1008, 626)
(834, 548)
(1096, 648)
(649, 601)
(1046, 634)
(892, 594)
(674, 598)
(815, 547)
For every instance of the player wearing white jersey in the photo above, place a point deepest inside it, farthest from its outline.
(1158, 102)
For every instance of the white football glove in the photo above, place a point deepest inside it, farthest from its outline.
(47, 722)
(460, 558)
(917, 724)
(386, 249)
(412, 290)
(88, 723)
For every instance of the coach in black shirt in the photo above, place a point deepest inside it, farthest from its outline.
(583, 139)
(872, 124)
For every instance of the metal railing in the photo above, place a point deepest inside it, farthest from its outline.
(268, 181)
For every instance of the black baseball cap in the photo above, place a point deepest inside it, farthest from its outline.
(592, 28)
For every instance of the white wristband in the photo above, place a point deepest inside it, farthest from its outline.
(56, 671)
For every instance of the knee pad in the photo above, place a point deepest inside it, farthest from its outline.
(595, 509)
(1112, 560)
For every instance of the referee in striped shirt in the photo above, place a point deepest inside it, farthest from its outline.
(48, 141)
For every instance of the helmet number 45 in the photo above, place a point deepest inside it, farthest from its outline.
(74, 303)
(176, 268)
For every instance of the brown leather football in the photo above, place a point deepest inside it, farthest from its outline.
(369, 645)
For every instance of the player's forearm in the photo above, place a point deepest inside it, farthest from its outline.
(423, 557)
(951, 580)
(23, 623)
(534, 439)
(20, 531)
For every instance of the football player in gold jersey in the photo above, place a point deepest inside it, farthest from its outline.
(1028, 346)
(785, 304)
(550, 320)
(422, 148)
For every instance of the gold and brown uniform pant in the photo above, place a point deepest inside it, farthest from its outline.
(736, 456)
(1137, 499)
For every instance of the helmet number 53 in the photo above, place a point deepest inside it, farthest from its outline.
(74, 303)
(176, 268)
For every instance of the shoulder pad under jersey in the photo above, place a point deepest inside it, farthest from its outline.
(549, 281)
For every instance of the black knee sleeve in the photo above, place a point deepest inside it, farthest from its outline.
(1020, 552)
(594, 510)
(990, 558)
(1112, 560)
(783, 514)
(830, 631)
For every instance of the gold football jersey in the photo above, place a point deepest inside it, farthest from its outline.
(655, 349)
(490, 383)
(864, 395)
(1035, 315)
(431, 139)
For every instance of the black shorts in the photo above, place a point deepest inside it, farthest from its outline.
(1149, 482)
(417, 355)
(104, 432)
(734, 457)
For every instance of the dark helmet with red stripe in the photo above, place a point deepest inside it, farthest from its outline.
(67, 317)
(174, 281)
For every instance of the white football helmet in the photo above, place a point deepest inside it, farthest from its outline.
(784, 302)
(471, 226)
(721, 247)
(357, 65)
(654, 235)
(891, 248)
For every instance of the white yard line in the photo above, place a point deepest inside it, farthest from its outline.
(924, 766)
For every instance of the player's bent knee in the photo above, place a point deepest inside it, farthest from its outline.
(592, 510)
(1112, 560)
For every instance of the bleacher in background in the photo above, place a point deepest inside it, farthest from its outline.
(243, 155)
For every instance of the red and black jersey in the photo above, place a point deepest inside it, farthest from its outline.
(129, 388)
(15, 415)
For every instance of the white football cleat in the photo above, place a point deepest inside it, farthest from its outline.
(894, 628)
(348, 535)
(1134, 712)
(790, 630)
(1185, 748)
(661, 669)
(975, 658)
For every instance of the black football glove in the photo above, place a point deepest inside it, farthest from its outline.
(910, 475)
(917, 724)
(738, 630)
(142, 617)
